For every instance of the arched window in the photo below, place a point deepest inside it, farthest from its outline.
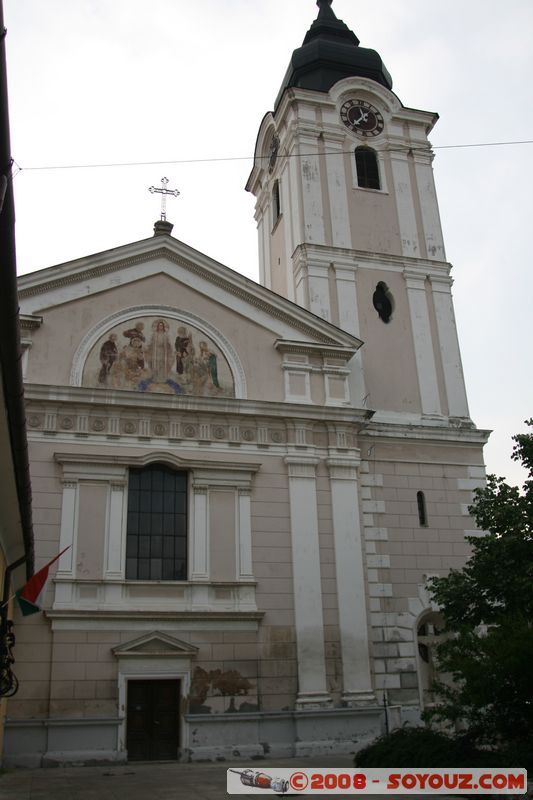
(276, 203)
(156, 540)
(422, 511)
(366, 162)
(383, 301)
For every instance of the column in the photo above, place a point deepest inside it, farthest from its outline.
(115, 532)
(449, 347)
(351, 595)
(69, 525)
(318, 279)
(405, 205)
(312, 685)
(200, 542)
(341, 234)
(244, 535)
(423, 344)
(64, 591)
(313, 206)
(429, 207)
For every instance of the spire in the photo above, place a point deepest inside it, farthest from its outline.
(329, 53)
(327, 25)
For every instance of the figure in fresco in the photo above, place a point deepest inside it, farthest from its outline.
(208, 358)
(160, 352)
(108, 356)
(183, 340)
(135, 332)
(129, 368)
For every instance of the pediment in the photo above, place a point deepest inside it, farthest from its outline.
(156, 644)
(164, 255)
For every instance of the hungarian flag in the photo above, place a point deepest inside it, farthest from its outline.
(28, 597)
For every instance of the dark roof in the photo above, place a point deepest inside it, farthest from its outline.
(330, 52)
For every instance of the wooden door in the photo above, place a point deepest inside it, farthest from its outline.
(153, 720)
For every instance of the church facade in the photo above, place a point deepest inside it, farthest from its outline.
(254, 481)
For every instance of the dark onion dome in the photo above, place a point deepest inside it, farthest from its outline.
(330, 52)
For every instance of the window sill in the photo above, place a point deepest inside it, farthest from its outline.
(161, 596)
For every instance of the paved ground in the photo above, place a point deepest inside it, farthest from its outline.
(160, 781)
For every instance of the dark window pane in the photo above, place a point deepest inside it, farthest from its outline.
(144, 546)
(179, 570)
(157, 501)
(131, 546)
(181, 547)
(168, 524)
(145, 524)
(133, 500)
(156, 549)
(168, 483)
(168, 502)
(168, 547)
(157, 524)
(181, 482)
(157, 480)
(133, 524)
(181, 503)
(168, 570)
(144, 569)
(180, 526)
(131, 569)
(156, 569)
(133, 480)
(145, 501)
(146, 480)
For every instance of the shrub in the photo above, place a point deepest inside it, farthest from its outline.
(424, 747)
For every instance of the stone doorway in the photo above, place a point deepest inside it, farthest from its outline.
(153, 720)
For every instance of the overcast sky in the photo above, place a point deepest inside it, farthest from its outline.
(108, 81)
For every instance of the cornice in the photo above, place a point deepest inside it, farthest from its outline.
(178, 462)
(305, 348)
(454, 432)
(158, 614)
(30, 321)
(326, 254)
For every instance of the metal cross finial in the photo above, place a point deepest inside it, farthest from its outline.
(164, 192)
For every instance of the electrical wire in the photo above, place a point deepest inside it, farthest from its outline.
(405, 149)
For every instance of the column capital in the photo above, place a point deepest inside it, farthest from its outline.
(343, 469)
(300, 467)
(414, 279)
(441, 283)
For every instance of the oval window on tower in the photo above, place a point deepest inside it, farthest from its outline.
(383, 301)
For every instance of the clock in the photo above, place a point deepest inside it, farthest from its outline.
(362, 118)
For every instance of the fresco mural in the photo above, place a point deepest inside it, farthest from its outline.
(156, 354)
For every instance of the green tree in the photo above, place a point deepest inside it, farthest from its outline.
(488, 610)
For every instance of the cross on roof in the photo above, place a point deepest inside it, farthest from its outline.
(164, 192)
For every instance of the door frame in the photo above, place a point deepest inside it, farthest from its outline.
(145, 669)
(179, 703)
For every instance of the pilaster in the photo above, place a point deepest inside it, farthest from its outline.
(351, 595)
(449, 347)
(423, 345)
(312, 684)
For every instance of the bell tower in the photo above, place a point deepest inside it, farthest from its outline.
(349, 225)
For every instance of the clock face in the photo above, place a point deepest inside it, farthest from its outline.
(362, 118)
